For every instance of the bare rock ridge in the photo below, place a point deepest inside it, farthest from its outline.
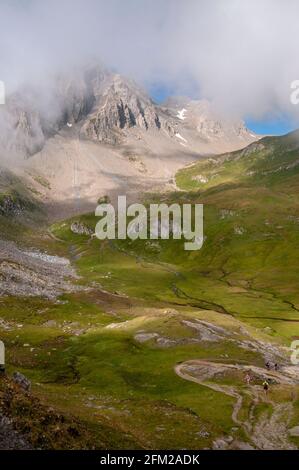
(121, 105)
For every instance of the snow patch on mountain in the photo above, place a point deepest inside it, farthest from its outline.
(182, 114)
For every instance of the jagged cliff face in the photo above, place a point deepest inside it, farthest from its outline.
(119, 105)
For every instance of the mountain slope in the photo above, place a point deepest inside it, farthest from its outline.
(96, 132)
(269, 161)
(199, 126)
(157, 336)
(251, 199)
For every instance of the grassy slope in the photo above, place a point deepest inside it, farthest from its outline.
(248, 268)
(255, 190)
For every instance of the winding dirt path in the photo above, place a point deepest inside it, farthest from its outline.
(268, 430)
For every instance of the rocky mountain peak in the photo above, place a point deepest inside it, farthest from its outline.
(121, 105)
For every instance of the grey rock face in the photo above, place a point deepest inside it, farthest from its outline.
(120, 105)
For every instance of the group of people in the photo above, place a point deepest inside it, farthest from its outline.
(248, 379)
(268, 365)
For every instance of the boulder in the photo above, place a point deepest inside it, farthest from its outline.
(22, 381)
(80, 229)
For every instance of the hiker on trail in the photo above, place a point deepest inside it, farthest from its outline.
(265, 386)
(248, 378)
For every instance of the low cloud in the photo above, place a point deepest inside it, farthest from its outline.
(242, 55)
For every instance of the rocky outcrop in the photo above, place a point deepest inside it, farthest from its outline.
(22, 381)
(10, 205)
(120, 105)
(80, 229)
(33, 273)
